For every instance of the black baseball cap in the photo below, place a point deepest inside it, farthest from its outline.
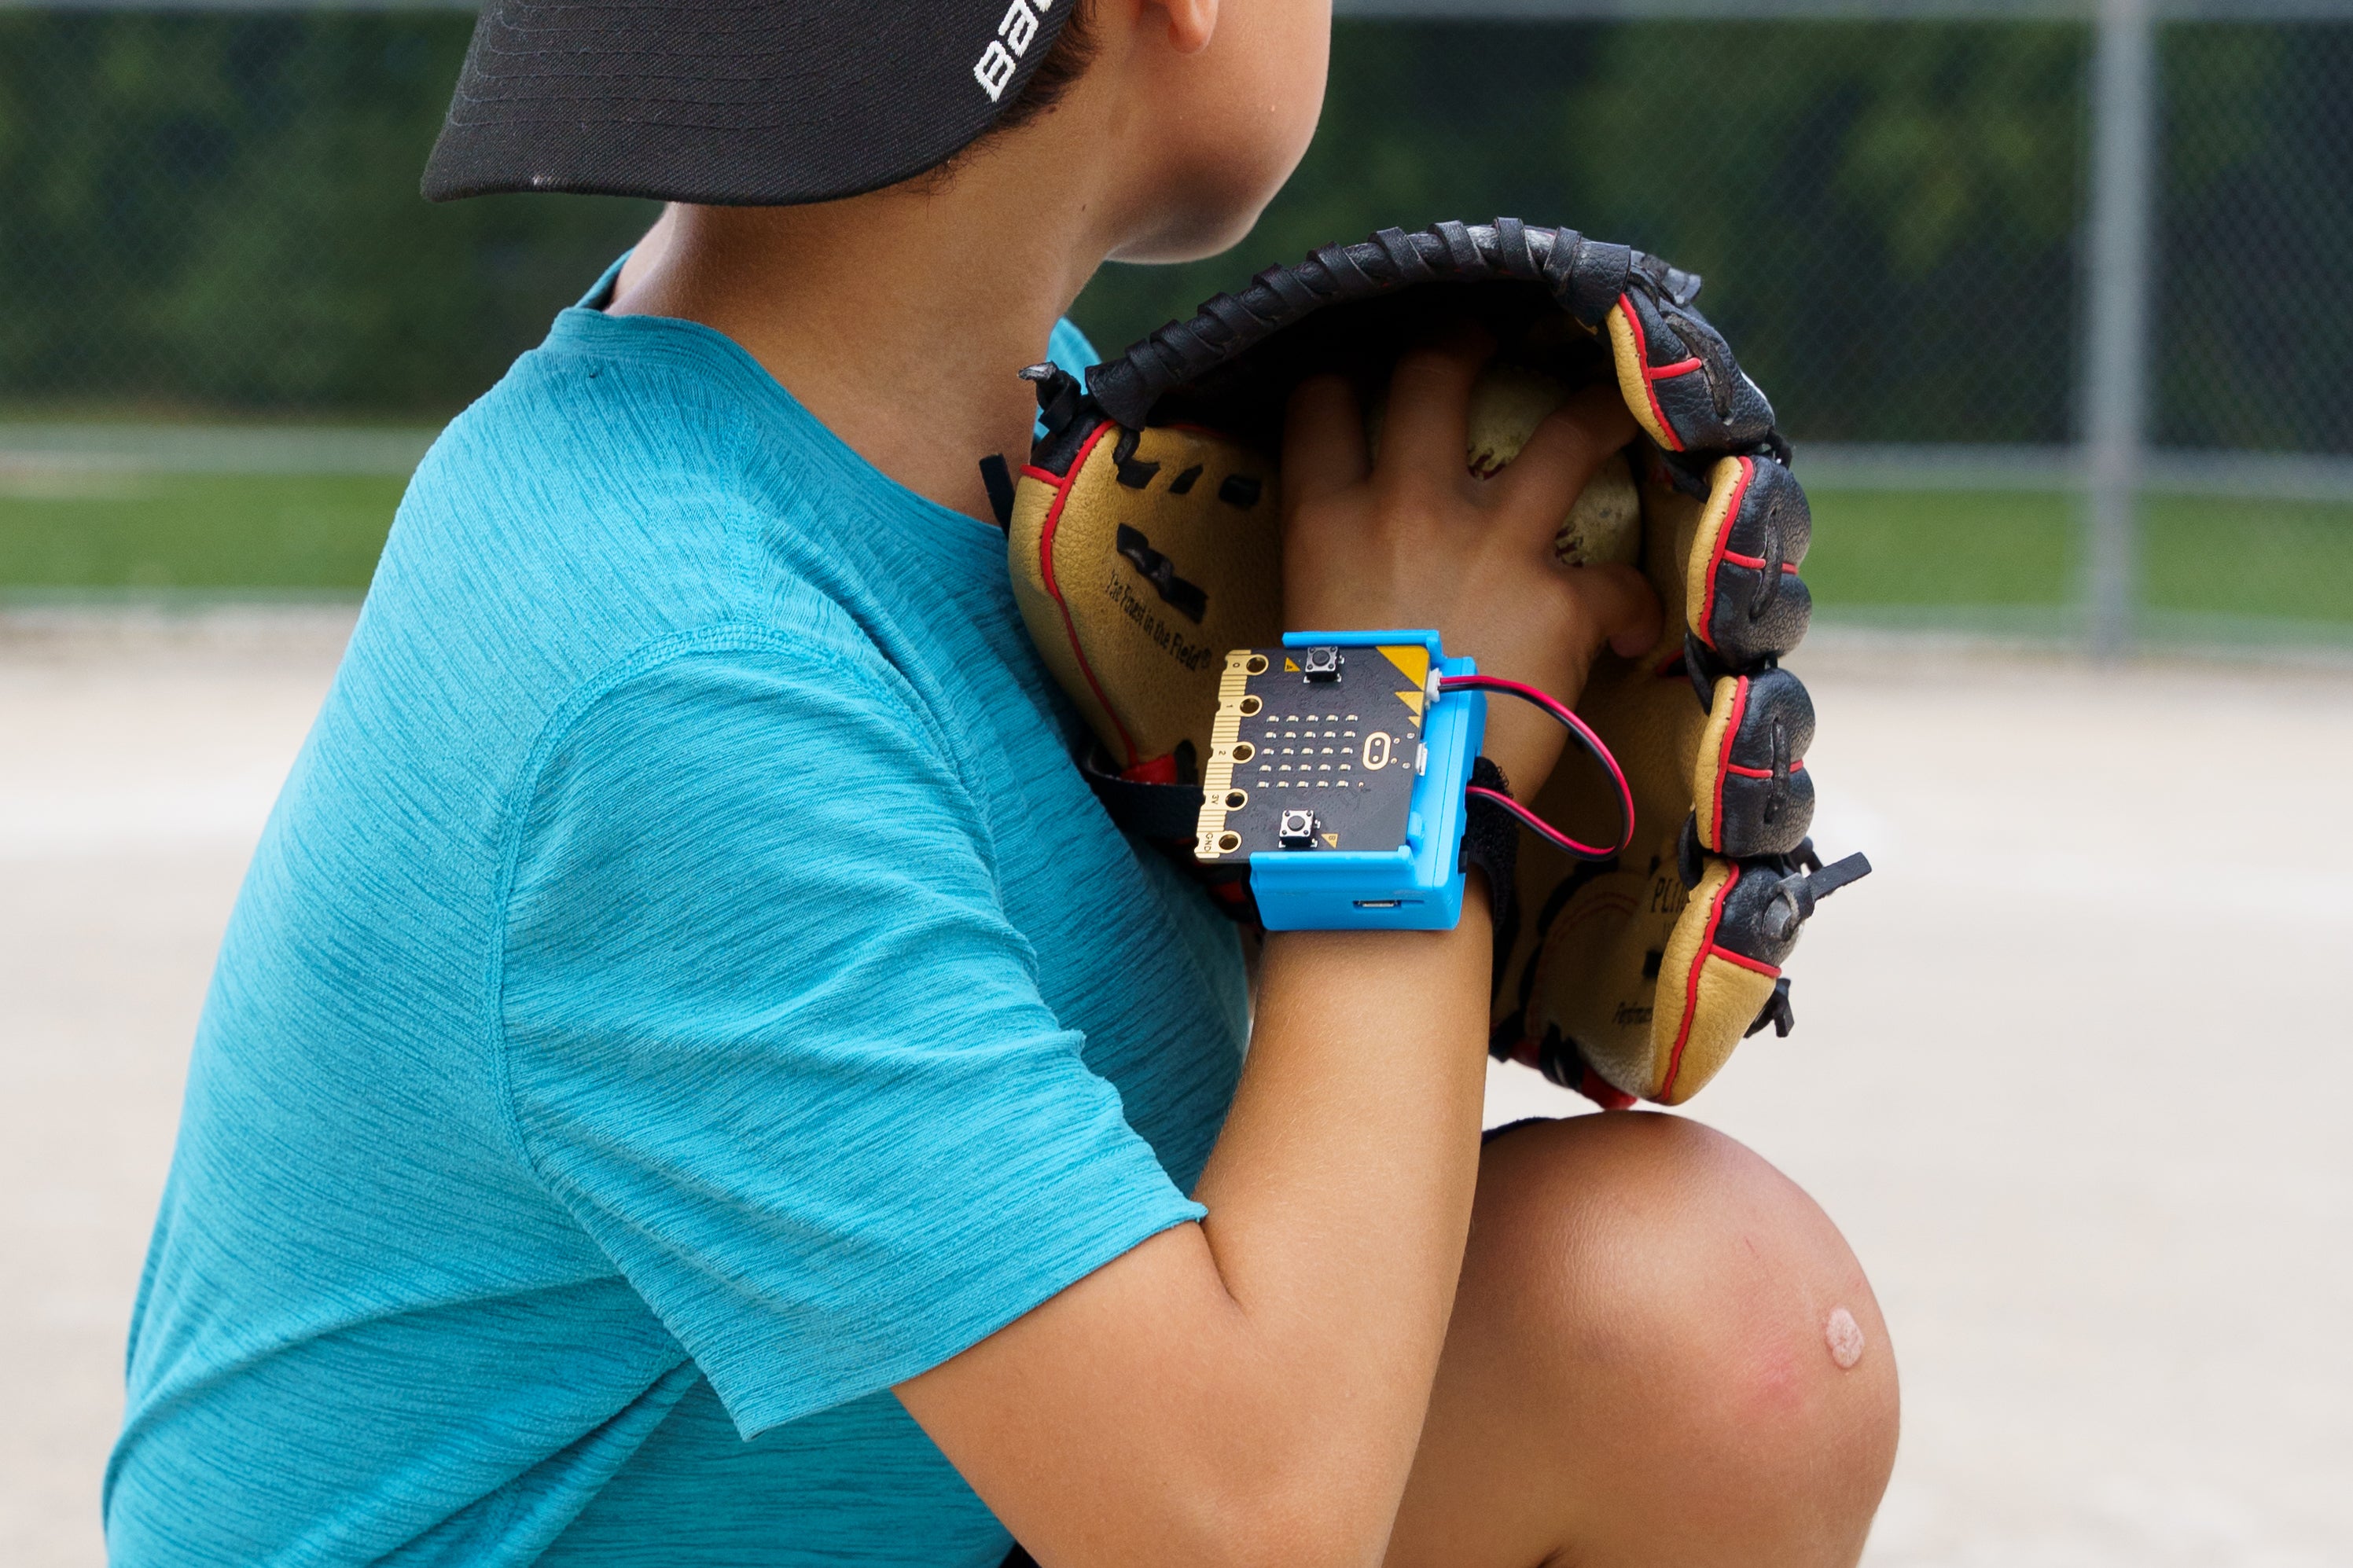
(757, 102)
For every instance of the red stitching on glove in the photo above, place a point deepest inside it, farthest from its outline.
(1599, 1090)
(1755, 562)
(1723, 540)
(1723, 751)
(1690, 984)
(1642, 357)
(1743, 960)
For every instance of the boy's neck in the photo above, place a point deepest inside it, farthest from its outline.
(898, 318)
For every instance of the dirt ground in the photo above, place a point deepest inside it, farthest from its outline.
(2073, 1069)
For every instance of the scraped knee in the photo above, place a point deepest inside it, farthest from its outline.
(1715, 1353)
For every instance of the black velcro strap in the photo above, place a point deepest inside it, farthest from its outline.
(1491, 841)
(1163, 812)
(997, 479)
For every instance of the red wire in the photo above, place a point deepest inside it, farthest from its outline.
(1542, 828)
(1592, 742)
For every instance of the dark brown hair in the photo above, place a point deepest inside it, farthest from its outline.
(1073, 51)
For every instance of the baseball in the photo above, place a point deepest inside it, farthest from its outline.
(1507, 403)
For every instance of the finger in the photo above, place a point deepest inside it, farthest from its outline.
(1620, 607)
(1562, 454)
(1426, 433)
(1322, 440)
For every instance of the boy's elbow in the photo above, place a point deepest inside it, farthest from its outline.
(1285, 1516)
(1285, 1538)
(1325, 1537)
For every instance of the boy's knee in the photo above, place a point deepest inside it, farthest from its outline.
(1707, 1340)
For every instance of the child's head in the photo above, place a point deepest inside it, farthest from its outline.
(1197, 110)
(1179, 118)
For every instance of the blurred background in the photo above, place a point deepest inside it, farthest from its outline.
(231, 324)
(2054, 297)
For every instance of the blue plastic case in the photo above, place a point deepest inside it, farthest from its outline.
(1336, 769)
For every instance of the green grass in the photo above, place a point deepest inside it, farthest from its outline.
(2255, 560)
(1936, 552)
(1941, 549)
(2285, 558)
(275, 532)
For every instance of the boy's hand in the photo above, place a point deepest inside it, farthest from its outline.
(1416, 541)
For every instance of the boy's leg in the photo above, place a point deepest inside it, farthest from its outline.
(1641, 1371)
(1642, 1367)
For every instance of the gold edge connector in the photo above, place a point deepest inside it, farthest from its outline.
(1217, 774)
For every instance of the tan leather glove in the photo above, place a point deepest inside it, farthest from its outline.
(1144, 542)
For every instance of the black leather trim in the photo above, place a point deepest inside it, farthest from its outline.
(1166, 813)
(1583, 276)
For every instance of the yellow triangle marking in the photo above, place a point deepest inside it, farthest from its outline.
(1291, 665)
(1332, 840)
(1412, 660)
(1412, 699)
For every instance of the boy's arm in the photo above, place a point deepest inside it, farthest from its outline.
(1250, 1389)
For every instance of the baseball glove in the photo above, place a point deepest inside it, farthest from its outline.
(1146, 541)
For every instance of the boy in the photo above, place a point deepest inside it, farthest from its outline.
(694, 1078)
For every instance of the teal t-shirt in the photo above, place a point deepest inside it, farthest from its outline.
(684, 990)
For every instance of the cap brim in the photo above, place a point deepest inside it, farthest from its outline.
(747, 103)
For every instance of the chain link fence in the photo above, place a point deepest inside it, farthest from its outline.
(213, 217)
(215, 214)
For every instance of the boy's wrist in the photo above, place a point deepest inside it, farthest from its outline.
(1525, 743)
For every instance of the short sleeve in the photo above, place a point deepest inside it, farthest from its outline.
(769, 1037)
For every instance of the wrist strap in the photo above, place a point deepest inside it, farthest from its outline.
(1490, 842)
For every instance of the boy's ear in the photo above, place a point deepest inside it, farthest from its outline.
(1190, 22)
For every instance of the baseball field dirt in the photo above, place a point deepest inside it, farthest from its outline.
(2071, 1069)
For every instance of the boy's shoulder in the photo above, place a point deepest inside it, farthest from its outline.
(635, 483)
(636, 503)
(625, 479)
(600, 526)
(635, 415)
(667, 419)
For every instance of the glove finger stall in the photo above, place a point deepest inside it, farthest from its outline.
(1710, 987)
(1756, 921)
(1745, 602)
(1678, 378)
(1751, 793)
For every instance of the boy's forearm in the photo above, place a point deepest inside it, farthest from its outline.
(1251, 1390)
(1339, 1193)
(1362, 1091)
